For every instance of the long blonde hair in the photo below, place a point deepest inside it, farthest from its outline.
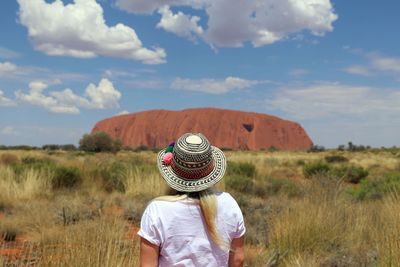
(208, 206)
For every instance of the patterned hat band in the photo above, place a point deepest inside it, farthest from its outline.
(193, 174)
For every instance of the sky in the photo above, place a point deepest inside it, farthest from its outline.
(332, 66)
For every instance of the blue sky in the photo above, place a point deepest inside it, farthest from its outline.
(332, 66)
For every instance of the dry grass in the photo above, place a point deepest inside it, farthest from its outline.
(291, 221)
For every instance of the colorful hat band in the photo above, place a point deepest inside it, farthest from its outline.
(193, 174)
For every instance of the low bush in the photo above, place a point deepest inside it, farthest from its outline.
(316, 148)
(239, 183)
(336, 158)
(351, 174)
(241, 169)
(300, 162)
(66, 177)
(314, 168)
(377, 188)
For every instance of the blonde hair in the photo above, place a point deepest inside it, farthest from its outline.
(208, 206)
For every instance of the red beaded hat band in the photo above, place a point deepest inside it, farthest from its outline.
(192, 173)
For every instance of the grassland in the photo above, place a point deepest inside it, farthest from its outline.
(301, 209)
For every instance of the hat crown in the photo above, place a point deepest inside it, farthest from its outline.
(191, 149)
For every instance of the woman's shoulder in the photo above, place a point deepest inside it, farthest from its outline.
(226, 198)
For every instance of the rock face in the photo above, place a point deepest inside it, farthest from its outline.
(223, 128)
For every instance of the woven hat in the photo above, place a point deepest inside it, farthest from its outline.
(194, 165)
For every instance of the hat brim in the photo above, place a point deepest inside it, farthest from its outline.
(189, 185)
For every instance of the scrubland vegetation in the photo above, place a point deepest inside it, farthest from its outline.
(331, 208)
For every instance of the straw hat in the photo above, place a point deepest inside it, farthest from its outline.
(191, 164)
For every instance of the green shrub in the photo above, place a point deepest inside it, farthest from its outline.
(66, 177)
(300, 162)
(241, 169)
(351, 174)
(29, 162)
(239, 183)
(377, 188)
(113, 177)
(99, 142)
(315, 168)
(336, 158)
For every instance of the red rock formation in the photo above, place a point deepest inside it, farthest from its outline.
(223, 128)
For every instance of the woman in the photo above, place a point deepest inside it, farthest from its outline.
(196, 226)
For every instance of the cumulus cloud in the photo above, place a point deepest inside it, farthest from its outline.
(102, 96)
(6, 102)
(213, 86)
(7, 68)
(149, 6)
(179, 23)
(326, 100)
(8, 130)
(79, 30)
(233, 22)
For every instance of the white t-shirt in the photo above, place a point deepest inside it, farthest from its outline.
(178, 228)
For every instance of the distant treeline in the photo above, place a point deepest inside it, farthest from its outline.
(103, 142)
(350, 147)
(94, 142)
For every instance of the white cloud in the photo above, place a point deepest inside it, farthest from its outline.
(7, 68)
(385, 64)
(7, 53)
(377, 64)
(79, 30)
(8, 130)
(359, 70)
(179, 23)
(102, 96)
(124, 112)
(6, 102)
(329, 100)
(233, 22)
(213, 86)
(149, 6)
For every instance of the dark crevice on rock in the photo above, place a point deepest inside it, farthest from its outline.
(248, 126)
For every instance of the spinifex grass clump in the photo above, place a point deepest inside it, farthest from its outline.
(315, 168)
(66, 177)
(113, 177)
(36, 163)
(240, 176)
